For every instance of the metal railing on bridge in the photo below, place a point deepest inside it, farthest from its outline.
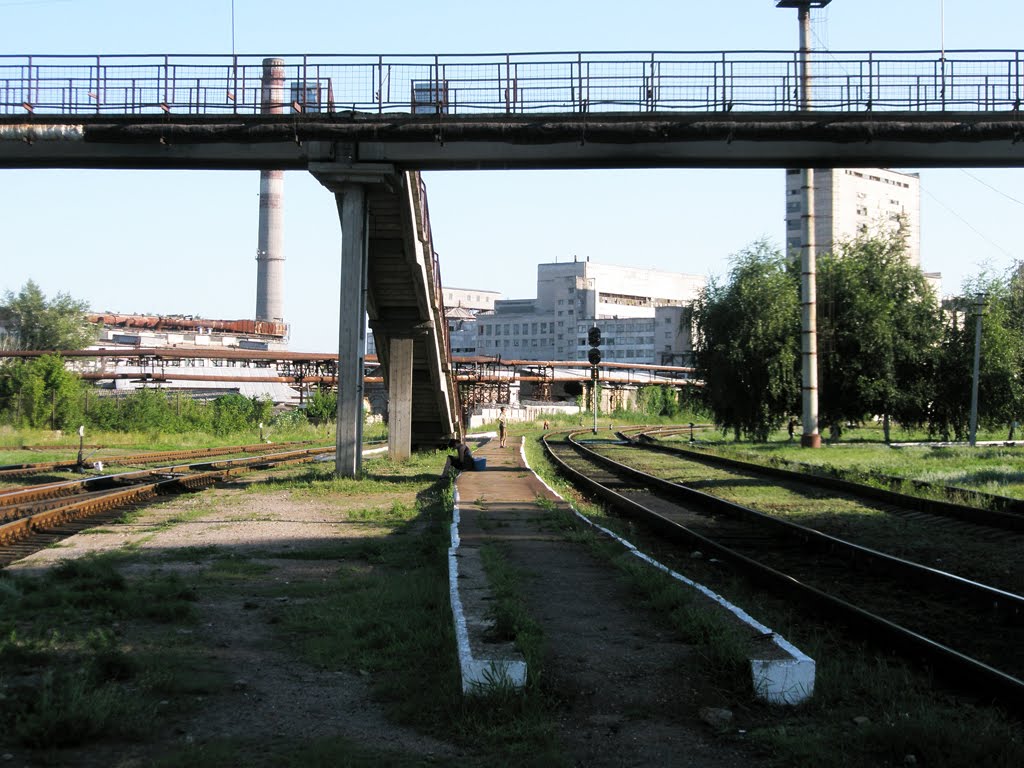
(468, 84)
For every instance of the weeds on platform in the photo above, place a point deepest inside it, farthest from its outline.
(511, 622)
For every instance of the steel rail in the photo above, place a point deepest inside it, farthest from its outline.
(956, 666)
(1009, 517)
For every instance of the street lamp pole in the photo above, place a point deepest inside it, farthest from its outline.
(810, 438)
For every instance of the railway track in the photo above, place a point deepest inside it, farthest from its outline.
(10, 471)
(981, 544)
(958, 501)
(970, 633)
(38, 511)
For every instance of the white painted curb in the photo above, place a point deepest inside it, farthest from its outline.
(776, 681)
(478, 675)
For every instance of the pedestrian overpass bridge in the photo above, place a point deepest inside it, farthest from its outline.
(366, 125)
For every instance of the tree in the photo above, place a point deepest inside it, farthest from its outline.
(747, 347)
(658, 400)
(1000, 388)
(29, 321)
(878, 331)
(41, 393)
(322, 407)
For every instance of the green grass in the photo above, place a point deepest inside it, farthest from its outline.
(989, 469)
(336, 752)
(63, 446)
(65, 676)
(382, 613)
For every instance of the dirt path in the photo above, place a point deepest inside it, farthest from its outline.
(631, 694)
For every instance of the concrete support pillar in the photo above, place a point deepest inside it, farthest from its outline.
(808, 258)
(352, 208)
(809, 320)
(400, 399)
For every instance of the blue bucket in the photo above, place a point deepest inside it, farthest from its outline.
(479, 463)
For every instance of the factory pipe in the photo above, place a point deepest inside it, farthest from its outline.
(270, 252)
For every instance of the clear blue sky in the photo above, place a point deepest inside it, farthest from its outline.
(185, 242)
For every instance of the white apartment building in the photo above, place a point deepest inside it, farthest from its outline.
(573, 296)
(851, 201)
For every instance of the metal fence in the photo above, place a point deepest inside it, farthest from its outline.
(631, 82)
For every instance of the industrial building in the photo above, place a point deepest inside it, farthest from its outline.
(573, 296)
(225, 368)
(462, 305)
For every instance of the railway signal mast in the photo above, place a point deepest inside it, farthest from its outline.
(808, 286)
(594, 356)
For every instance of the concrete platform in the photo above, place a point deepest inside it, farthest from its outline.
(500, 505)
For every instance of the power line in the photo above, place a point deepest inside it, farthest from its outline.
(974, 229)
(985, 183)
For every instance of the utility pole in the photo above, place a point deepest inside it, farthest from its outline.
(808, 280)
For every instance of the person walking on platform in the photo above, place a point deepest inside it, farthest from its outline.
(502, 428)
